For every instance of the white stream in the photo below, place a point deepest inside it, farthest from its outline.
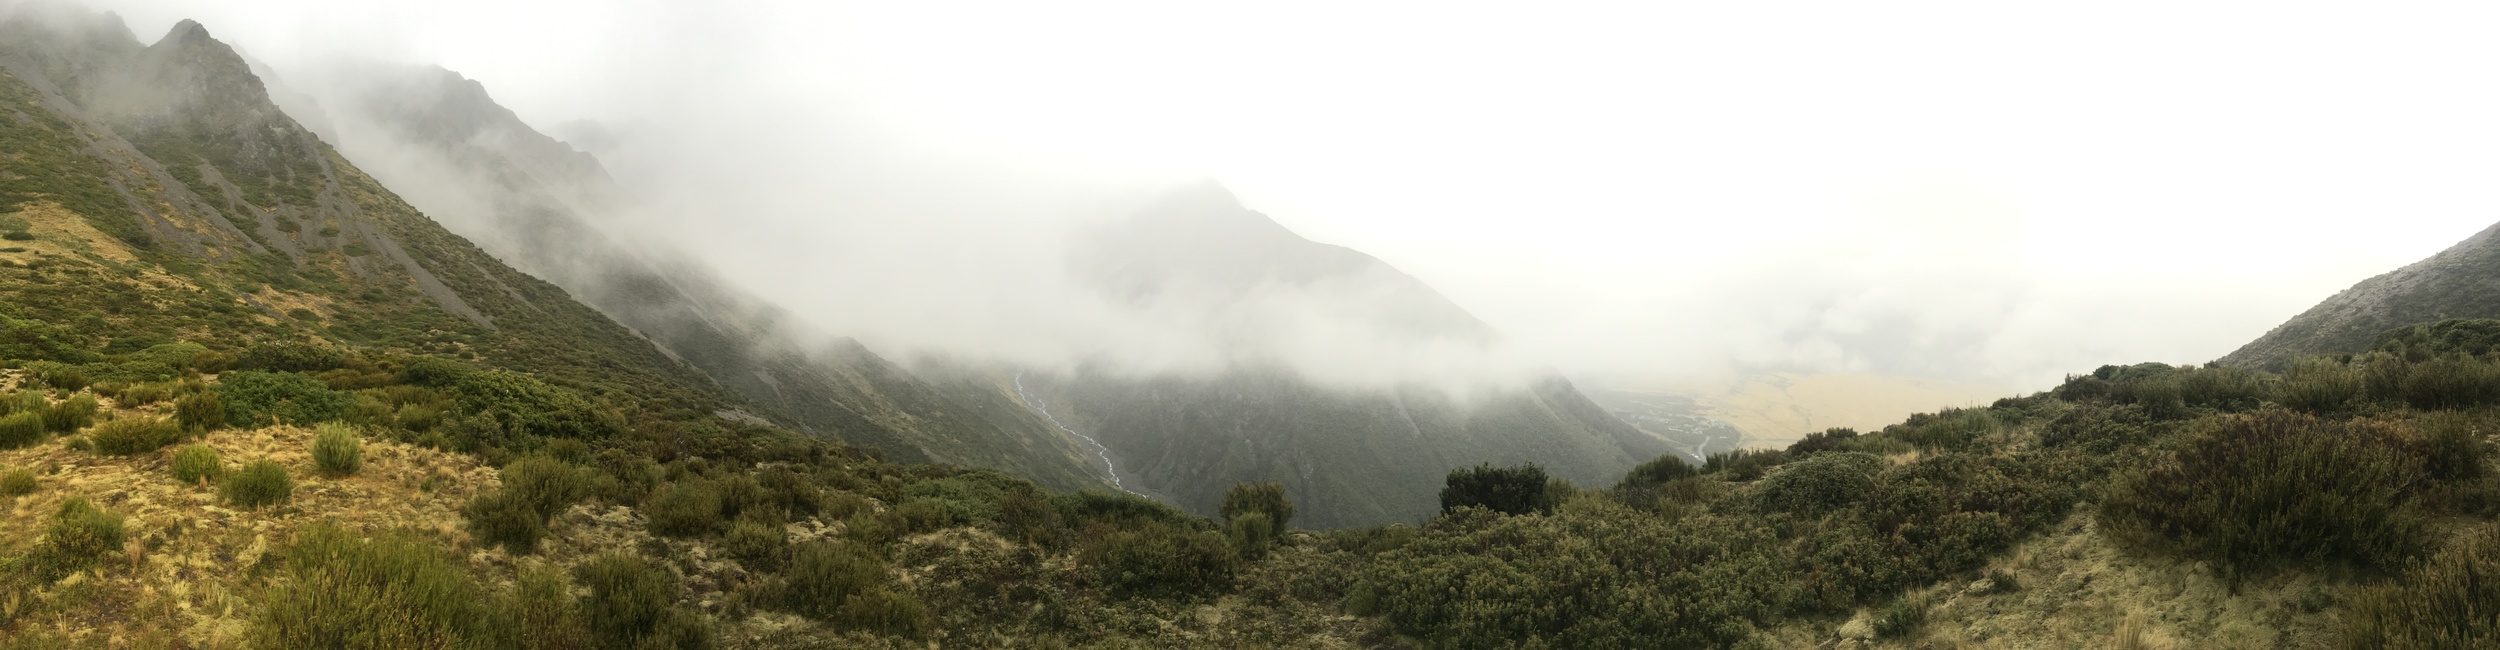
(1104, 452)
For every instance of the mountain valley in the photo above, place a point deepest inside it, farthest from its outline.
(357, 358)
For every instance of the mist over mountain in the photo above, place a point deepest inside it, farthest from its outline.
(254, 393)
(544, 206)
(1362, 382)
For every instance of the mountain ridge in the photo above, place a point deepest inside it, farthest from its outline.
(2461, 281)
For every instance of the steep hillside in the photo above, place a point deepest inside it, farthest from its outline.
(539, 204)
(167, 199)
(2461, 282)
(1352, 456)
(248, 398)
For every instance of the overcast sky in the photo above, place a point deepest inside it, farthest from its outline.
(1985, 191)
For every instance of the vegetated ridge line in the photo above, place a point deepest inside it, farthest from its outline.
(1099, 450)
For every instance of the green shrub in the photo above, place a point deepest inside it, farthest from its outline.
(822, 575)
(1658, 471)
(369, 412)
(2452, 447)
(2321, 385)
(258, 483)
(22, 402)
(1250, 534)
(544, 614)
(337, 450)
(2099, 430)
(531, 406)
(71, 414)
(1597, 575)
(885, 612)
(632, 603)
(2225, 388)
(62, 377)
(738, 494)
(2383, 376)
(785, 490)
(394, 590)
(546, 485)
(17, 482)
(81, 536)
(145, 394)
(1120, 509)
(918, 516)
(1904, 616)
(253, 398)
(1819, 484)
(200, 412)
(2275, 488)
(417, 417)
(1511, 490)
(184, 355)
(1814, 442)
(1949, 429)
(1264, 497)
(1743, 464)
(290, 356)
(684, 509)
(2451, 383)
(21, 429)
(1157, 560)
(1026, 516)
(758, 545)
(2445, 601)
(2472, 337)
(197, 464)
(435, 372)
(134, 435)
(499, 519)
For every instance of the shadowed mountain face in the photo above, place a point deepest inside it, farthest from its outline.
(2461, 282)
(1350, 456)
(538, 203)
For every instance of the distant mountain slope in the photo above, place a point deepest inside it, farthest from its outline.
(2460, 282)
(537, 203)
(1350, 456)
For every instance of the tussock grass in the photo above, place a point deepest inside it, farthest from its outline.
(131, 436)
(17, 481)
(337, 450)
(197, 464)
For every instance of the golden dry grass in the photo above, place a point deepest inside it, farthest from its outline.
(1775, 409)
(189, 568)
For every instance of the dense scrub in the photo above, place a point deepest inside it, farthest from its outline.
(2272, 487)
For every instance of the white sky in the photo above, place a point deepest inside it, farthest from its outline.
(1634, 189)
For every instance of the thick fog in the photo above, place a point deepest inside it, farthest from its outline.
(1966, 191)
